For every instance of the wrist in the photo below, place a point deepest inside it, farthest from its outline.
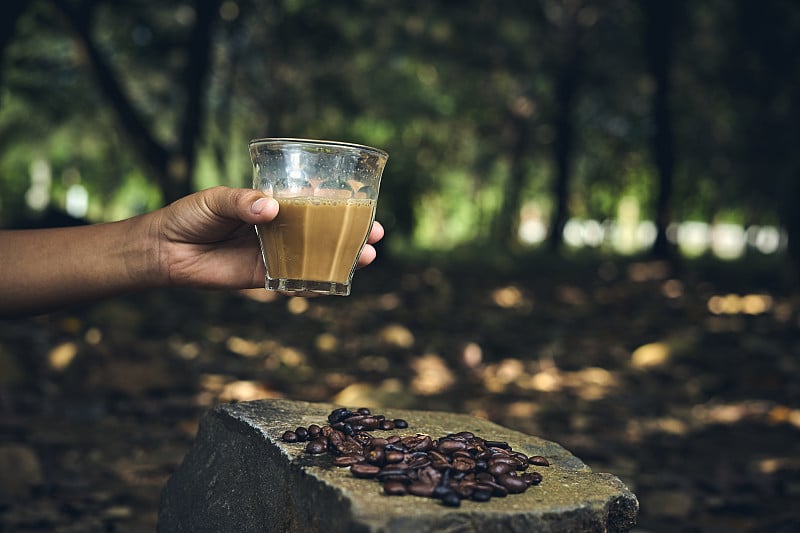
(143, 253)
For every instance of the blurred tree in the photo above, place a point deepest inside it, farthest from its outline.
(10, 10)
(171, 164)
(658, 30)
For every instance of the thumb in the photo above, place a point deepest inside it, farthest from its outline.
(248, 205)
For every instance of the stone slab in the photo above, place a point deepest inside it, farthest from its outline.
(240, 476)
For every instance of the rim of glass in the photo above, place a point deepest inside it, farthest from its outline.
(317, 142)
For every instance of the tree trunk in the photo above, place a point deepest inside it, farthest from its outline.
(10, 11)
(507, 221)
(566, 89)
(171, 167)
(658, 41)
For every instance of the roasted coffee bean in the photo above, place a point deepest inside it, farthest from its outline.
(363, 438)
(348, 460)
(394, 457)
(484, 476)
(378, 441)
(438, 460)
(464, 490)
(522, 458)
(481, 495)
(513, 484)
(498, 490)
(498, 469)
(448, 446)
(425, 444)
(316, 447)
(396, 468)
(376, 456)
(421, 489)
(429, 475)
(337, 415)
(363, 470)
(532, 478)
(463, 464)
(419, 462)
(394, 488)
(395, 446)
(538, 460)
(353, 420)
(370, 423)
(454, 467)
(451, 499)
(441, 491)
(498, 459)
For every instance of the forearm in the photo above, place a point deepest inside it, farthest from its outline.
(42, 270)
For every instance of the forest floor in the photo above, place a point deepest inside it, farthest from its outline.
(685, 384)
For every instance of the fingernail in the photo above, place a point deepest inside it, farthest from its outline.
(259, 206)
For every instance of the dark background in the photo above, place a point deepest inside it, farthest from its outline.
(591, 237)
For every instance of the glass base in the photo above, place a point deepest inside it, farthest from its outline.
(303, 285)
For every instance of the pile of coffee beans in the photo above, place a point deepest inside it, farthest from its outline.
(451, 468)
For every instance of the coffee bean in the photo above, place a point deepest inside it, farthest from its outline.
(337, 415)
(370, 423)
(421, 489)
(481, 495)
(425, 444)
(363, 470)
(498, 490)
(316, 447)
(513, 484)
(454, 467)
(463, 464)
(394, 488)
(538, 460)
(498, 469)
(348, 460)
(451, 499)
(396, 468)
(419, 462)
(394, 457)
(448, 446)
(376, 456)
(532, 478)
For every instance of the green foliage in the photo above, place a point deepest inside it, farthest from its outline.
(443, 89)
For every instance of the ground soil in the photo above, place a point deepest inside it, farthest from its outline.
(684, 382)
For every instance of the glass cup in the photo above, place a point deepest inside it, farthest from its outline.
(327, 192)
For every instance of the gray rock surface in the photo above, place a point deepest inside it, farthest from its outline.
(240, 476)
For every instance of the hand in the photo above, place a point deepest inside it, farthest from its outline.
(207, 239)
